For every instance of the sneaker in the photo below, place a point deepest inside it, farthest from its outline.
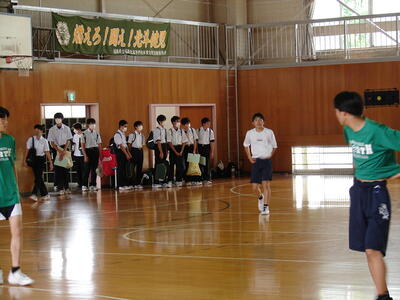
(207, 182)
(34, 198)
(139, 187)
(93, 188)
(265, 210)
(45, 198)
(169, 184)
(68, 191)
(199, 183)
(261, 203)
(122, 188)
(156, 186)
(179, 184)
(189, 183)
(384, 297)
(55, 189)
(62, 192)
(19, 278)
(84, 189)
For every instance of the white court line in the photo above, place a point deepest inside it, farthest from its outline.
(119, 211)
(361, 263)
(232, 190)
(62, 293)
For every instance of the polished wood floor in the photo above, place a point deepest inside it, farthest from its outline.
(198, 243)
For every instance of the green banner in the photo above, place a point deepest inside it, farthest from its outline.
(115, 37)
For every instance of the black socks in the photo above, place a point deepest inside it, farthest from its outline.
(14, 269)
(384, 297)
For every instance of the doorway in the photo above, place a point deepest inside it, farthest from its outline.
(73, 113)
(195, 112)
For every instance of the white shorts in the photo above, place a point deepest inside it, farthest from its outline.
(10, 211)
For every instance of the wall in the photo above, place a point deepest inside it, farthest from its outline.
(122, 93)
(297, 102)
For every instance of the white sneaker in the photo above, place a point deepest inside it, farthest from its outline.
(265, 210)
(207, 182)
(199, 183)
(169, 184)
(34, 198)
(55, 189)
(68, 191)
(93, 188)
(62, 192)
(19, 278)
(139, 187)
(261, 203)
(45, 198)
(130, 187)
(156, 186)
(179, 184)
(84, 189)
(122, 188)
(189, 183)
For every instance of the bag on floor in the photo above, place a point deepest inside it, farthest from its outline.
(66, 162)
(147, 178)
(161, 172)
(108, 162)
(193, 169)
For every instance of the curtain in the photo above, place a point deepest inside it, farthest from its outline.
(306, 33)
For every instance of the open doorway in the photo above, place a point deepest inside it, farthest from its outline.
(73, 113)
(195, 112)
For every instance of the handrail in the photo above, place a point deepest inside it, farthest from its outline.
(111, 15)
(245, 26)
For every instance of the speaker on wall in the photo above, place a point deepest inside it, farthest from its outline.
(381, 97)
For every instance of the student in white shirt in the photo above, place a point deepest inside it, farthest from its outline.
(260, 146)
(136, 141)
(123, 156)
(79, 155)
(161, 151)
(59, 138)
(206, 147)
(42, 148)
(177, 139)
(92, 144)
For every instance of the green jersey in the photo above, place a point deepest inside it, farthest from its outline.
(9, 194)
(374, 150)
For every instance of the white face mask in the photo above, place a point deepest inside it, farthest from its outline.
(178, 124)
(58, 121)
(188, 125)
(124, 129)
(76, 131)
(92, 126)
(140, 128)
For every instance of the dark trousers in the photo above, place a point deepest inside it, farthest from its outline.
(205, 151)
(137, 160)
(38, 168)
(93, 155)
(61, 174)
(121, 169)
(79, 167)
(178, 162)
(158, 160)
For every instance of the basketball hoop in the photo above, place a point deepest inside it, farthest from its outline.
(23, 63)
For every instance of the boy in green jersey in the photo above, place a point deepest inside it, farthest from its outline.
(10, 206)
(374, 157)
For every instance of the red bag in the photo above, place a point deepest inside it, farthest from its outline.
(108, 162)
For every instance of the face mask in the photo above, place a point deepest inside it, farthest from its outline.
(76, 131)
(140, 128)
(58, 121)
(178, 124)
(125, 129)
(188, 125)
(92, 126)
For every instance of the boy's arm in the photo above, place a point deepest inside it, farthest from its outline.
(248, 153)
(389, 138)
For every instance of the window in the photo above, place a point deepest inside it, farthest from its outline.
(385, 6)
(69, 111)
(322, 159)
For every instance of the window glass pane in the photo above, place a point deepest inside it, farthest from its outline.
(386, 6)
(325, 9)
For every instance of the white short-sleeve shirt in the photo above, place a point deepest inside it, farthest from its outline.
(59, 135)
(206, 136)
(137, 140)
(160, 134)
(261, 143)
(120, 139)
(41, 145)
(176, 136)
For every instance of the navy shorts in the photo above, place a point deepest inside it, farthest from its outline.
(261, 171)
(370, 213)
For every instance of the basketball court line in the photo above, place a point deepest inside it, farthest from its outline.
(61, 293)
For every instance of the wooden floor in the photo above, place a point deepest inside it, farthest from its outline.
(198, 243)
